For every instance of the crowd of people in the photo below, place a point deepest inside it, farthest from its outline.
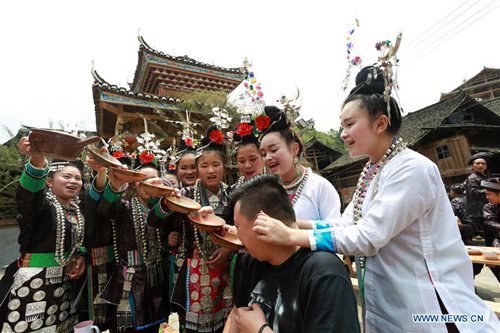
(474, 204)
(127, 260)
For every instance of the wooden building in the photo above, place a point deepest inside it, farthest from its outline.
(447, 132)
(319, 155)
(160, 82)
(485, 85)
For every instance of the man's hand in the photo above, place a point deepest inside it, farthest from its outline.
(250, 319)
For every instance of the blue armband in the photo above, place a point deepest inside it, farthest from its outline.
(322, 240)
(321, 224)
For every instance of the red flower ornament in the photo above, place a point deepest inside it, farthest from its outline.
(244, 129)
(118, 154)
(262, 122)
(217, 137)
(146, 157)
(189, 142)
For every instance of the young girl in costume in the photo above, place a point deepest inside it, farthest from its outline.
(312, 196)
(139, 287)
(400, 225)
(37, 292)
(187, 172)
(101, 261)
(201, 294)
(248, 159)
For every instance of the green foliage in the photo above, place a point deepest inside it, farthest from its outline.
(204, 101)
(331, 139)
(10, 171)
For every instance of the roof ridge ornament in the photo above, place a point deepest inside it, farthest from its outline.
(97, 77)
(143, 42)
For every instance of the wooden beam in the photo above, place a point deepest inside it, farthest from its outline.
(131, 115)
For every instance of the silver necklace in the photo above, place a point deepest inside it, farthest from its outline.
(205, 246)
(240, 182)
(139, 220)
(61, 229)
(302, 184)
(369, 173)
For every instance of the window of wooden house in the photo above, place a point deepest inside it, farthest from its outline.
(442, 152)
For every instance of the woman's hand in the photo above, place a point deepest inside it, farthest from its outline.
(116, 184)
(36, 159)
(93, 164)
(205, 211)
(276, 232)
(175, 193)
(229, 229)
(272, 230)
(219, 257)
(77, 268)
(156, 181)
(250, 319)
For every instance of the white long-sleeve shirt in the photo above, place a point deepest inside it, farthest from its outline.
(319, 200)
(410, 237)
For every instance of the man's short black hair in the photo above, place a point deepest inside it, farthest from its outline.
(263, 193)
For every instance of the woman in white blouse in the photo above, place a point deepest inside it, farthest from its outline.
(400, 225)
(312, 196)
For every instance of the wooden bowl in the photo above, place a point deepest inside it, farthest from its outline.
(58, 145)
(210, 223)
(182, 205)
(128, 176)
(156, 191)
(229, 241)
(104, 159)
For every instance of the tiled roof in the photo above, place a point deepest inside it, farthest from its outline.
(493, 105)
(187, 60)
(145, 48)
(472, 81)
(99, 82)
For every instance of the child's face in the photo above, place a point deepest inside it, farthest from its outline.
(172, 179)
(211, 169)
(359, 131)
(250, 162)
(152, 173)
(186, 170)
